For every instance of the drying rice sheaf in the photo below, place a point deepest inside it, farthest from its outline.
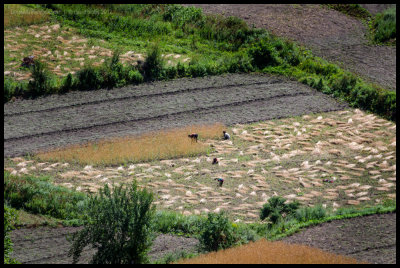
(147, 147)
(266, 252)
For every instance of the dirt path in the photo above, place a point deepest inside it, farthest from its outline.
(31, 125)
(330, 34)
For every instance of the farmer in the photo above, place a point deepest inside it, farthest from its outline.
(220, 181)
(215, 161)
(28, 61)
(226, 135)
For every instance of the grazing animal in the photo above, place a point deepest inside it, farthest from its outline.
(226, 135)
(220, 181)
(215, 161)
(28, 61)
(194, 136)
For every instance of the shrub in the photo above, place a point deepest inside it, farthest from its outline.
(119, 225)
(8, 90)
(113, 72)
(41, 80)
(289, 52)
(343, 82)
(89, 78)
(171, 72)
(154, 64)
(67, 84)
(180, 69)
(197, 69)
(10, 217)
(263, 54)
(176, 223)
(310, 213)
(135, 77)
(384, 26)
(217, 233)
(276, 208)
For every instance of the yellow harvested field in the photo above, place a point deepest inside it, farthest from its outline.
(148, 147)
(266, 252)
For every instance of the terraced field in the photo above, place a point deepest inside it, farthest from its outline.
(78, 117)
(329, 34)
(287, 139)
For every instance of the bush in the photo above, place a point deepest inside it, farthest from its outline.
(217, 233)
(263, 54)
(89, 78)
(343, 83)
(197, 69)
(10, 217)
(384, 26)
(41, 82)
(154, 64)
(67, 84)
(135, 77)
(119, 225)
(305, 214)
(113, 72)
(176, 223)
(180, 69)
(276, 208)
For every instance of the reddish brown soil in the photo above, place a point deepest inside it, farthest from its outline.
(328, 33)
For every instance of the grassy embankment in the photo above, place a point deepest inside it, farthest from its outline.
(214, 45)
(382, 26)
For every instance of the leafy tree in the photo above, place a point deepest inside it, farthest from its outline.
(119, 226)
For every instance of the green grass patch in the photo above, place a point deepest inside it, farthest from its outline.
(353, 10)
(383, 27)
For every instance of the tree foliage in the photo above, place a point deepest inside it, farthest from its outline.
(119, 225)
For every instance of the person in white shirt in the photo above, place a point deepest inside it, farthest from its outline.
(226, 135)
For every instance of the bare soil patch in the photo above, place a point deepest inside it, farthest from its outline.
(328, 33)
(45, 245)
(369, 238)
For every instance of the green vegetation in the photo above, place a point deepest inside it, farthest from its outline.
(354, 10)
(218, 233)
(119, 225)
(10, 217)
(215, 45)
(383, 27)
(20, 15)
(127, 212)
(39, 196)
(276, 209)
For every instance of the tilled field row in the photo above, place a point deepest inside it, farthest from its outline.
(254, 101)
(77, 98)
